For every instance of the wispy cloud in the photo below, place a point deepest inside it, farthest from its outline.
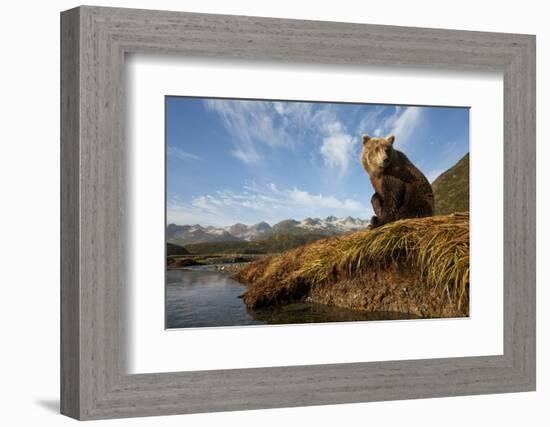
(178, 153)
(268, 203)
(337, 151)
(372, 121)
(402, 122)
(405, 123)
(254, 125)
(250, 125)
(338, 146)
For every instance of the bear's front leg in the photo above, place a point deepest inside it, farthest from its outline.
(374, 222)
(376, 201)
(394, 199)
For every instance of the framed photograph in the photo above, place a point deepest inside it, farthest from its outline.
(262, 213)
(304, 222)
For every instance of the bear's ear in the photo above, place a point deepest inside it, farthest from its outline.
(390, 139)
(366, 138)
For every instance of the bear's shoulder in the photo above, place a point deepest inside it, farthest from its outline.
(400, 168)
(401, 158)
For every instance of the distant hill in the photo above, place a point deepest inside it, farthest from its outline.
(273, 243)
(287, 226)
(172, 249)
(452, 188)
(252, 232)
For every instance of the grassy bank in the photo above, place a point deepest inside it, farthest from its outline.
(417, 266)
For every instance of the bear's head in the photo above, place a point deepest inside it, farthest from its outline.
(377, 154)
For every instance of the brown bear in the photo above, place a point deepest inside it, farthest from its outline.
(401, 190)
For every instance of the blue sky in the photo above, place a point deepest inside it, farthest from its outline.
(248, 161)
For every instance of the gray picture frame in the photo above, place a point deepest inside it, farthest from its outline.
(94, 381)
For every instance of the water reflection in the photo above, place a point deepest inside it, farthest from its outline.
(304, 312)
(205, 298)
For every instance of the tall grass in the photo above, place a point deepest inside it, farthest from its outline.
(436, 248)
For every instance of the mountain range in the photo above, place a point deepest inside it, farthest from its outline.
(329, 226)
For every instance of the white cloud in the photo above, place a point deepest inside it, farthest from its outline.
(247, 156)
(279, 107)
(337, 151)
(252, 124)
(371, 123)
(256, 124)
(313, 201)
(405, 124)
(178, 153)
(337, 145)
(402, 123)
(262, 203)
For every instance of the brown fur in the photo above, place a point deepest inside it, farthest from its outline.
(401, 190)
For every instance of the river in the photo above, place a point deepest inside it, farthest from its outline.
(204, 297)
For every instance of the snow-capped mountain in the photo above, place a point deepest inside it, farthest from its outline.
(248, 233)
(186, 234)
(331, 223)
